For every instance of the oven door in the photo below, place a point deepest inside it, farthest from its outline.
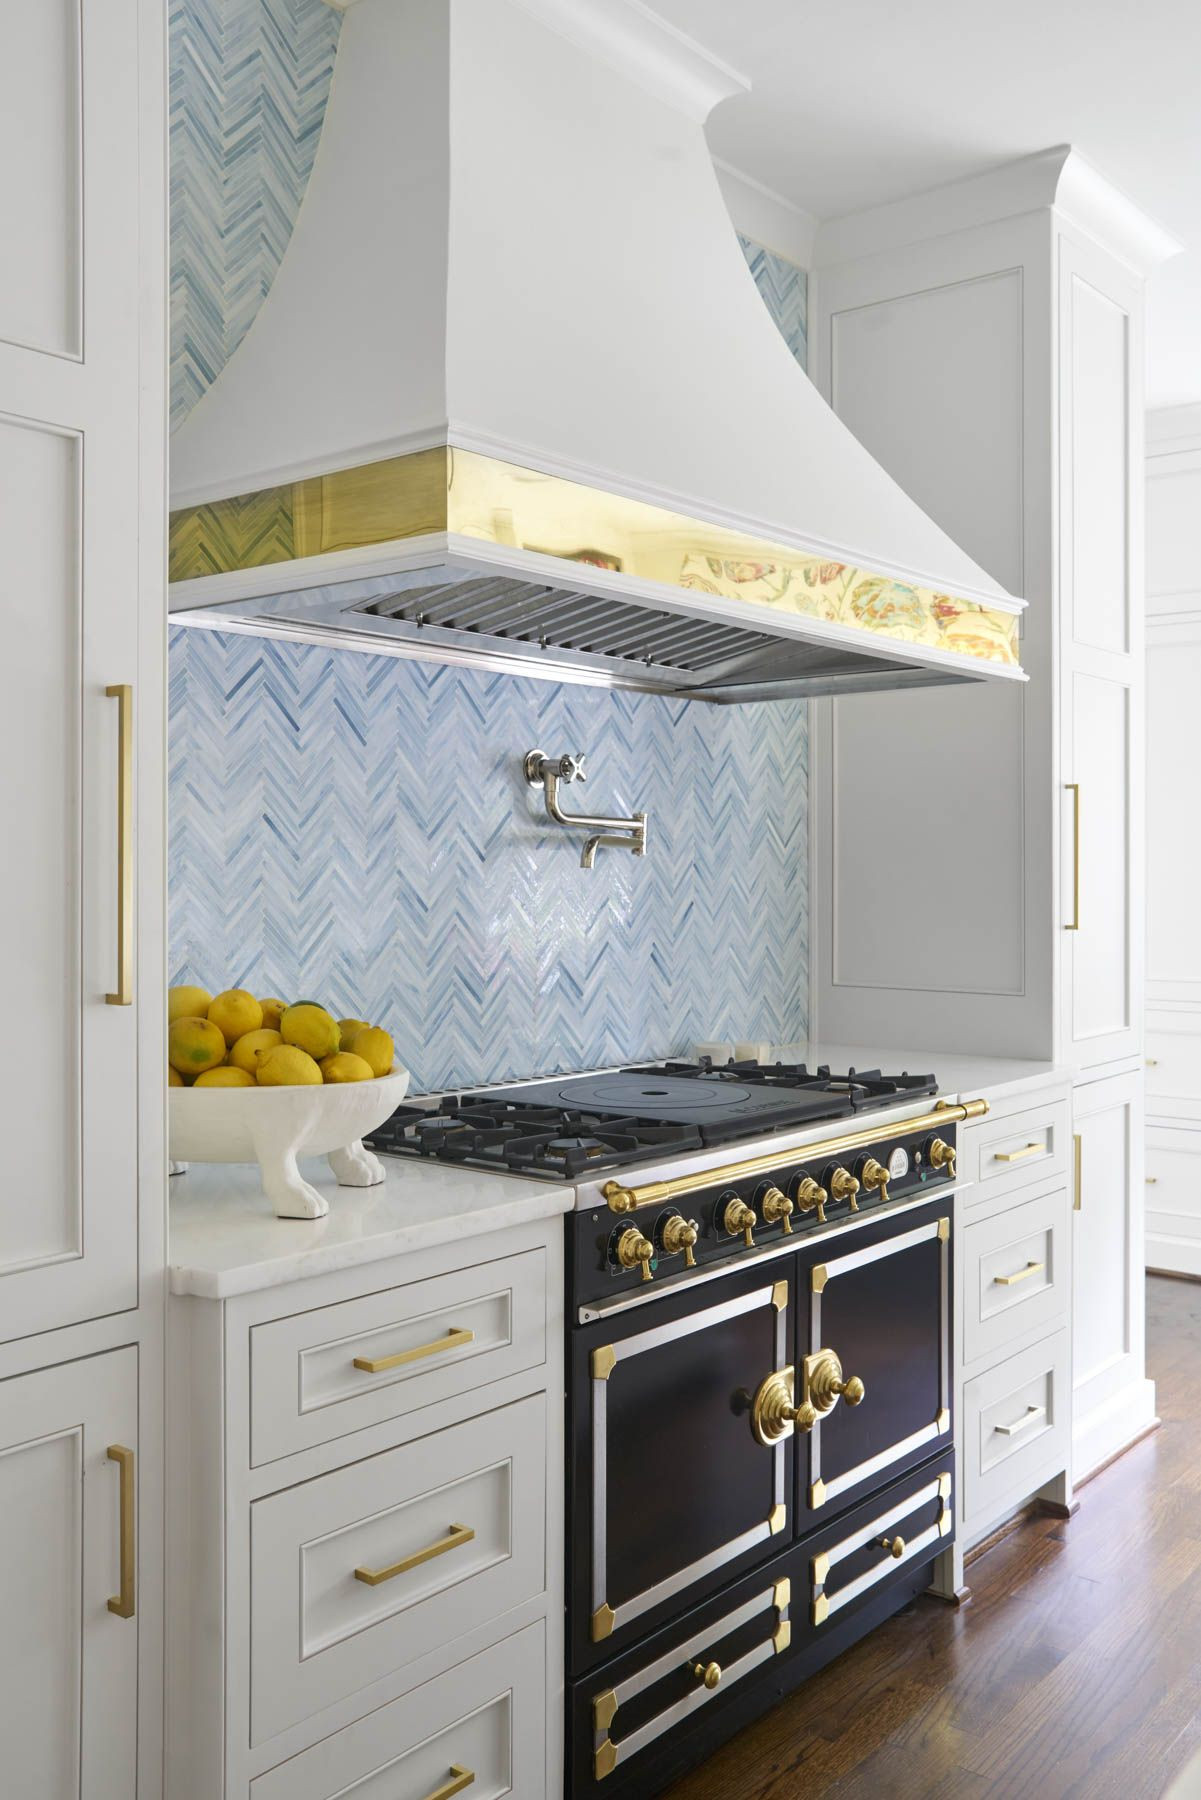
(671, 1492)
(873, 1357)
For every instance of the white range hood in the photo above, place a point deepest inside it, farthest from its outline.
(513, 394)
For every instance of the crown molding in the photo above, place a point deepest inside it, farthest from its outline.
(651, 52)
(1058, 179)
(761, 214)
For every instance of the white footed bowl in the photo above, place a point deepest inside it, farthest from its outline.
(274, 1125)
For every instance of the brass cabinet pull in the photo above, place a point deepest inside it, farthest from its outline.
(458, 1534)
(1152, 1062)
(1151, 1180)
(894, 1545)
(1033, 1415)
(1008, 1156)
(123, 1604)
(1073, 788)
(122, 692)
(376, 1365)
(1032, 1268)
(707, 1673)
(1078, 1161)
(460, 1778)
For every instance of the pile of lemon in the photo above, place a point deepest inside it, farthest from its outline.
(234, 1040)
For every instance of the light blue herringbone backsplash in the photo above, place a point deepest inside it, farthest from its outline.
(355, 829)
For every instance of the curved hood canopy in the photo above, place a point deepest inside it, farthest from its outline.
(513, 392)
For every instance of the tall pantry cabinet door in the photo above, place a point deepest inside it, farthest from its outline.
(1101, 677)
(68, 1700)
(1112, 1400)
(69, 521)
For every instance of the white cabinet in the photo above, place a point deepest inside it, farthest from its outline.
(977, 871)
(76, 199)
(1110, 1390)
(68, 1700)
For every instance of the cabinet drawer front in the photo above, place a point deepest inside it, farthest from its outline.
(1015, 1427)
(357, 1573)
(857, 1557)
(1173, 1065)
(485, 1719)
(1009, 1150)
(1015, 1274)
(318, 1375)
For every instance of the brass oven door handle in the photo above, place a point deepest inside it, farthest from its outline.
(460, 1778)
(1032, 1268)
(1008, 1156)
(124, 1603)
(1073, 788)
(455, 1338)
(122, 692)
(457, 1535)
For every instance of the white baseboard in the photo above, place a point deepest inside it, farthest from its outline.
(1173, 1255)
(1111, 1427)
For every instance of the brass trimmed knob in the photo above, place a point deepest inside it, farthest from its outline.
(843, 1186)
(895, 1546)
(709, 1673)
(679, 1234)
(942, 1156)
(773, 1409)
(777, 1209)
(875, 1176)
(810, 1195)
(825, 1382)
(738, 1217)
(635, 1251)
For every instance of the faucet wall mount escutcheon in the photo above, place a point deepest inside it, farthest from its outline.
(547, 772)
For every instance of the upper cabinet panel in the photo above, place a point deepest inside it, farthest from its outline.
(40, 146)
(1096, 525)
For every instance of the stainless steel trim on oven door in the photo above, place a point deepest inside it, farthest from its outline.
(605, 1618)
(607, 1755)
(821, 1564)
(822, 1274)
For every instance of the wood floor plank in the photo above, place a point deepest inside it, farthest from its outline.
(1074, 1672)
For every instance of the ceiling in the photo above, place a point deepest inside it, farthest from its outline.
(864, 101)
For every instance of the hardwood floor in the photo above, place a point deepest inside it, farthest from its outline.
(1075, 1670)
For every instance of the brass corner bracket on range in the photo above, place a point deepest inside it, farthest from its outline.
(617, 834)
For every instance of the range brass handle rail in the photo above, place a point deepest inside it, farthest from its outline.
(654, 1193)
(460, 1778)
(1032, 1268)
(1073, 788)
(455, 1337)
(122, 692)
(123, 1604)
(1008, 1156)
(1033, 1415)
(458, 1534)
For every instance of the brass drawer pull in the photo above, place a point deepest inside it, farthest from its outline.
(1073, 788)
(1032, 1268)
(123, 1604)
(454, 1339)
(460, 1778)
(709, 1674)
(1151, 1180)
(1034, 1415)
(894, 1545)
(458, 1534)
(1152, 1062)
(1008, 1156)
(123, 693)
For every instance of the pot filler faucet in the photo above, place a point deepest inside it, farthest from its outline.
(618, 834)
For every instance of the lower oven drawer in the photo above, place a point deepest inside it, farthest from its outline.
(482, 1726)
(853, 1560)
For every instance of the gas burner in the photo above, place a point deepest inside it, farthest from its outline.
(575, 1125)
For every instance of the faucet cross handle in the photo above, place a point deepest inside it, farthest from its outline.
(571, 768)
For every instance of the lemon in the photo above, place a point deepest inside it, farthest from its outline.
(350, 1027)
(273, 1012)
(376, 1048)
(187, 1003)
(310, 1028)
(234, 1013)
(246, 1051)
(174, 1078)
(225, 1076)
(286, 1066)
(343, 1065)
(194, 1045)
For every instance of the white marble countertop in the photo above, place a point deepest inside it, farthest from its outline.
(960, 1076)
(226, 1239)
